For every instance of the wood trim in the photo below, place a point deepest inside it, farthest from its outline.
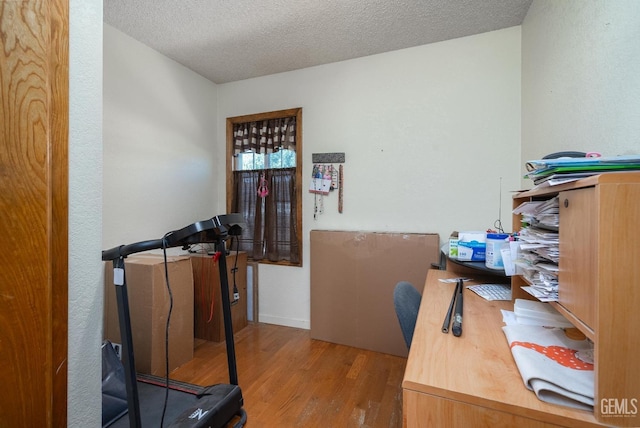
(297, 112)
(34, 175)
(59, 196)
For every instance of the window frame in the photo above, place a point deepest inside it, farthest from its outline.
(297, 112)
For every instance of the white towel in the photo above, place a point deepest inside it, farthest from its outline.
(549, 366)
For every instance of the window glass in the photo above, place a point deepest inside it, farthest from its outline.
(281, 159)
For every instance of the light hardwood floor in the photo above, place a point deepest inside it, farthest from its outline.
(289, 380)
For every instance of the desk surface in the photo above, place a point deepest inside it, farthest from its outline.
(476, 368)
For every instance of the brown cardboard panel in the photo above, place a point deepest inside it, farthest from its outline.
(149, 306)
(334, 295)
(353, 275)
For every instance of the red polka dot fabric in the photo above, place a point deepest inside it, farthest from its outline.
(564, 356)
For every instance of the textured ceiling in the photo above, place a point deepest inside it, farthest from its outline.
(226, 40)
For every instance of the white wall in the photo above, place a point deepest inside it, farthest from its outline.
(456, 106)
(158, 131)
(427, 133)
(581, 77)
(159, 137)
(84, 402)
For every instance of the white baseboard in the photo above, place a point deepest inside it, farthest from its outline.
(287, 322)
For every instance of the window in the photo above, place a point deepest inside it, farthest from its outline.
(283, 158)
(264, 184)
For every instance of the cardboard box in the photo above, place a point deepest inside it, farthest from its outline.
(208, 317)
(472, 246)
(149, 307)
(453, 245)
(353, 275)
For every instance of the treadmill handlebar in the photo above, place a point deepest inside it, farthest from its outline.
(215, 229)
(124, 250)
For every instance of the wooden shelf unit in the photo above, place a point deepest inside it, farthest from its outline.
(599, 281)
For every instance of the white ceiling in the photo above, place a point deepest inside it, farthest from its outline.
(225, 40)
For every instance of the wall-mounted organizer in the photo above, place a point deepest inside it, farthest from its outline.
(325, 178)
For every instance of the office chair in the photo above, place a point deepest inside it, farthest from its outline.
(406, 299)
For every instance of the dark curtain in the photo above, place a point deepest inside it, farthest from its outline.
(271, 221)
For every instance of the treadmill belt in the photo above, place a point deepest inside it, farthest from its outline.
(151, 403)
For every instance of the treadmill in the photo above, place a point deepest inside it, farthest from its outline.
(188, 406)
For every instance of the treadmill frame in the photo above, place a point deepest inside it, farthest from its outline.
(215, 230)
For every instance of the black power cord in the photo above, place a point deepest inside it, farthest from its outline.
(236, 298)
(166, 331)
(236, 294)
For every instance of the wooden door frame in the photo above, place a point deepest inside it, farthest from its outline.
(34, 89)
(297, 113)
(59, 254)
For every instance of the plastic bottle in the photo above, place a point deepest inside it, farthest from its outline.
(495, 241)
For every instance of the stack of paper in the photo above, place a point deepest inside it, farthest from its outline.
(561, 178)
(492, 291)
(543, 168)
(539, 247)
(543, 214)
(530, 312)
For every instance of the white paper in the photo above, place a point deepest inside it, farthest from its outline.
(320, 185)
(509, 317)
(118, 276)
(509, 266)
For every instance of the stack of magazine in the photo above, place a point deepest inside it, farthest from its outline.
(549, 172)
(539, 248)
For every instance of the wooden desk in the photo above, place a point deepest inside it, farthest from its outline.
(472, 380)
